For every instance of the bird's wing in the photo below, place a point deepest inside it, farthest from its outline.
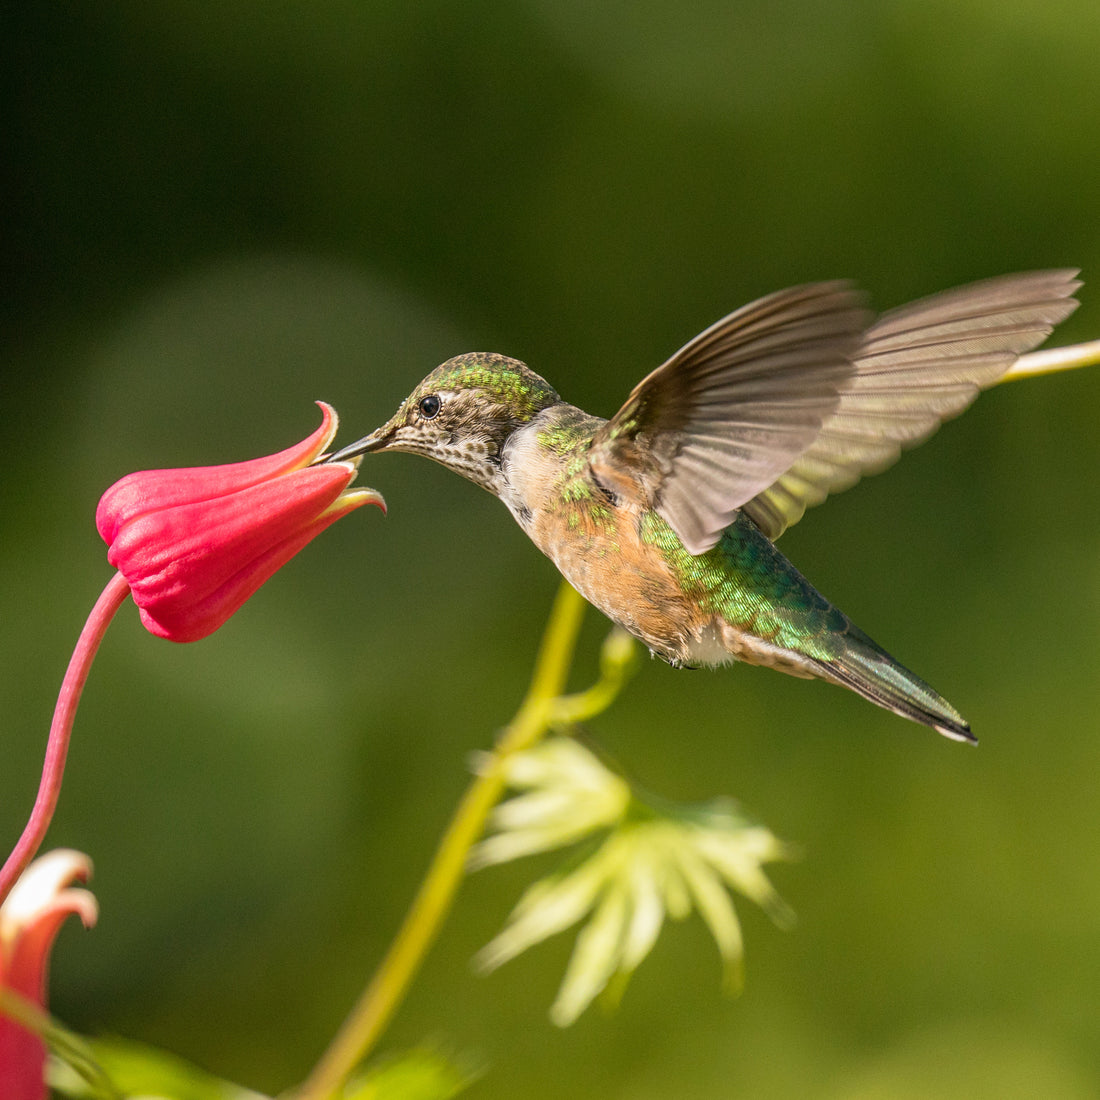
(717, 424)
(918, 365)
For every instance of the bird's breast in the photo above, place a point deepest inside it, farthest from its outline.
(597, 544)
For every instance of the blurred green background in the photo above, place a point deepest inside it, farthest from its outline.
(217, 213)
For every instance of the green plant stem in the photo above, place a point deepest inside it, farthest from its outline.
(618, 659)
(1049, 360)
(375, 1007)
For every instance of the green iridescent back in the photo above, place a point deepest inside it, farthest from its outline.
(747, 581)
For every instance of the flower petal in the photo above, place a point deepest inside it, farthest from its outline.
(151, 490)
(534, 809)
(595, 957)
(717, 911)
(30, 918)
(738, 857)
(547, 907)
(673, 888)
(647, 913)
(34, 911)
(568, 793)
(191, 567)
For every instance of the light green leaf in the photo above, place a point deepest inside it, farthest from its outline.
(147, 1072)
(417, 1075)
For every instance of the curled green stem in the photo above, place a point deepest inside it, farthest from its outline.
(618, 658)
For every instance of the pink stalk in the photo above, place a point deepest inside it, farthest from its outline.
(57, 746)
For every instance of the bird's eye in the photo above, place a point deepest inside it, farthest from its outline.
(429, 406)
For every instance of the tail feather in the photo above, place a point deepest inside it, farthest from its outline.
(869, 670)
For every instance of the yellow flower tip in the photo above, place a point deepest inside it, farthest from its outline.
(350, 499)
(733, 976)
(330, 424)
(782, 915)
(611, 998)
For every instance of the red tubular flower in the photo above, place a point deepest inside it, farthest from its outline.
(29, 921)
(191, 546)
(194, 544)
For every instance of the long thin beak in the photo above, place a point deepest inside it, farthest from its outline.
(373, 442)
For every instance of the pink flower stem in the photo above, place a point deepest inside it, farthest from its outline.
(57, 746)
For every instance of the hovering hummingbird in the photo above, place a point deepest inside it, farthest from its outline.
(664, 516)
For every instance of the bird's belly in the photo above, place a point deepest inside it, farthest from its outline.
(631, 580)
(632, 584)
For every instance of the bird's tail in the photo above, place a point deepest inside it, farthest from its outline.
(866, 668)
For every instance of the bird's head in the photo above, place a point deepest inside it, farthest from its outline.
(462, 414)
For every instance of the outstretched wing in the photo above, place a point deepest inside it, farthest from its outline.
(717, 423)
(918, 365)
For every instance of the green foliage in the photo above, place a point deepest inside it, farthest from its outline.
(138, 1070)
(418, 1075)
(141, 1071)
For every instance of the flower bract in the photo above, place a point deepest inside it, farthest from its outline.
(649, 863)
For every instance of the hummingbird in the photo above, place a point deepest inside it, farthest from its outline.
(665, 516)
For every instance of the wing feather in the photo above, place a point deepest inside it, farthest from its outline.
(716, 424)
(918, 366)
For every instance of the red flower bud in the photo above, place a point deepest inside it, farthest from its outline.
(194, 544)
